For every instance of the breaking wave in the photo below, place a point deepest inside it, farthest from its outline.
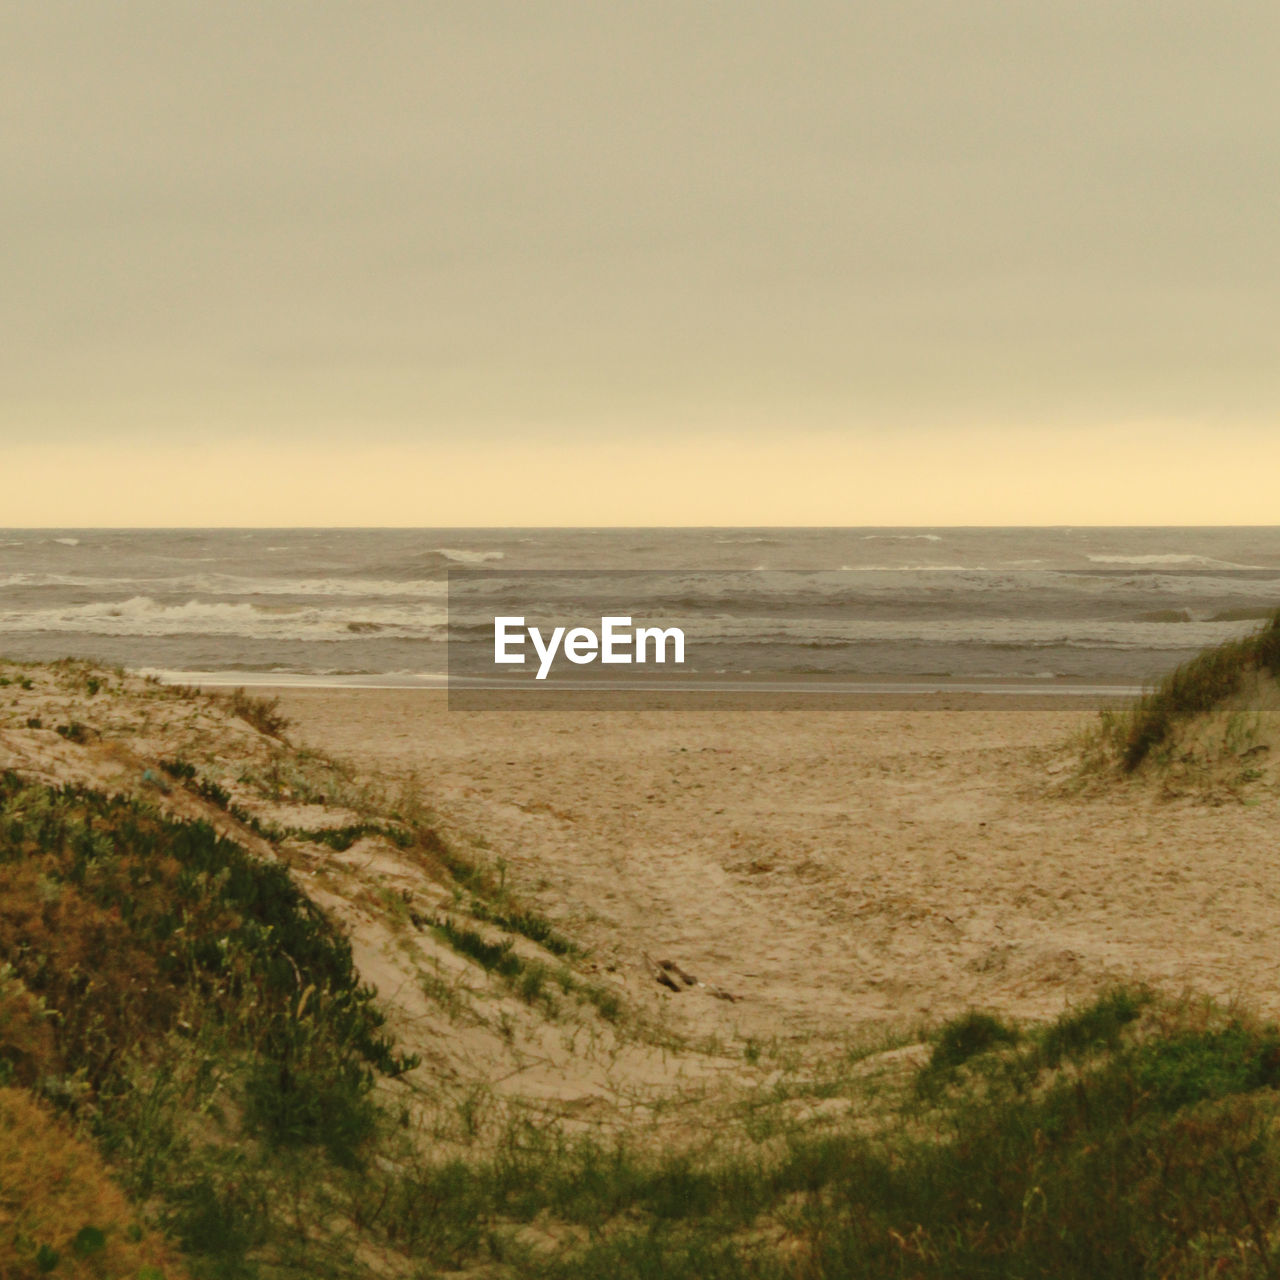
(143, 616)
(1171, 560)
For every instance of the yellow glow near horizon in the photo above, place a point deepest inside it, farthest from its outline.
(1132, 475)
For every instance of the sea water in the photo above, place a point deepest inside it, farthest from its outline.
(1051, 607)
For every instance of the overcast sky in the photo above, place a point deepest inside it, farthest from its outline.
(670, 262)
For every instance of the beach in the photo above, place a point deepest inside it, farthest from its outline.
(549, 969)
(835, 870)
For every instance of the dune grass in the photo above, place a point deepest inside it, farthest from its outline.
(263, 714)
(1199, 685)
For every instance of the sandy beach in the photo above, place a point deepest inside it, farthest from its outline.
(831, 870)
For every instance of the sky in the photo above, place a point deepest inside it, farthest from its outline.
(680, 262)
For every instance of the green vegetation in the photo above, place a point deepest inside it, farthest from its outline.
(1099, 1025)
(340, 839)
(1200, 685)
(1155, 1154)
(966, 1037)
(179, 770)
(527, 923)
(496, 957)
(186, 1004)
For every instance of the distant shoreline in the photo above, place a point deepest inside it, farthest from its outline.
(738, 684)
(728, 696)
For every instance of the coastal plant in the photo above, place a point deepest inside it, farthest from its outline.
(183, 1000)
(179, 770)
(340, 839)
(178, 1020)
(967, 1036)
(263, 714)
(527, 923)
(1199, 685)
(1097, 1025)
(1156, 1153)
(497, 957)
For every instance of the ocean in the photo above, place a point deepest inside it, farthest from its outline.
(1058, 608)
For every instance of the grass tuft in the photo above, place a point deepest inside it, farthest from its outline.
(1099, 1024)
(263, 714)
(966, 1037)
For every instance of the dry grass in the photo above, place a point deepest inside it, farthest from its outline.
(60, 1213)
(263, 713)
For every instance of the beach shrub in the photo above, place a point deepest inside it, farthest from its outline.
(188, 1005)
(1182, 1069)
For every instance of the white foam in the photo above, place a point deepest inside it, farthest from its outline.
(901, 537)
(1004, 633)
(1203, 562)
(462, 556)
(143, 616)
(914, 568)
(233, 585)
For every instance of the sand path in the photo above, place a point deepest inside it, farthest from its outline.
(834, 869)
